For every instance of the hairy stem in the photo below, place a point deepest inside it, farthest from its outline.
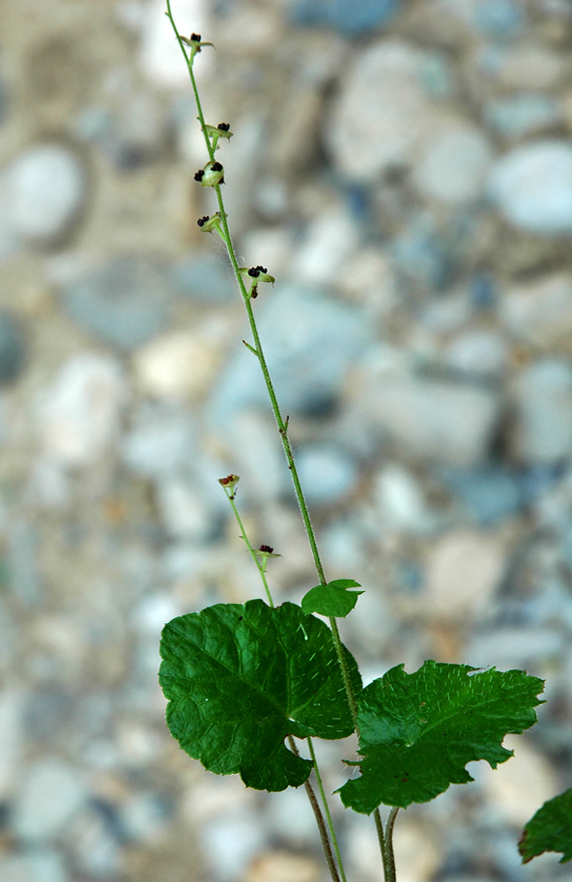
(325, 839)
(327, 809)
(386, 843)
(259, 566)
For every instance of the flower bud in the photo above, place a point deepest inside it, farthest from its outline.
(196, 44)
(255, 275)
(210, 224)
(211, 175)
(216, 132)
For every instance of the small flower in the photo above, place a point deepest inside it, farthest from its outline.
(228, 484)
(211, 175)
(255, 275)
(210, 224)
(263, 553)
(216, 132)
(196, 44)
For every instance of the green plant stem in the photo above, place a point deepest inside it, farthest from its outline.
(259, 566)
(386, 843)
(327, 809)
(322, 829)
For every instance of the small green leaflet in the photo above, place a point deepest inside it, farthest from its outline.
(418, 731)
(549, 830)
(240, 678)
(332, 599)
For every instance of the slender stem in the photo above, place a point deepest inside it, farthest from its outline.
(386, 843)
(261, 567)
(327, 809)
(326, 846)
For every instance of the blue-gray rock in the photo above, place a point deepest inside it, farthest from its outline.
(206, 278)
(38, 865)
(309, 342)
(532, 187)
(490, 494)
(542, 397)
(499, 18)
(327, 474)
(347, 16)
(50, 794)
(523, 114)
(124, 303)
(44, 193)
(12, 348)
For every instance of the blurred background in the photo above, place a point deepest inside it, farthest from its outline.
(404, 169)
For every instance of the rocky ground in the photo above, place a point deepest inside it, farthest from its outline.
(404, 168)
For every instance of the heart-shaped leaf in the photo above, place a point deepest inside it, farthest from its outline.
(418, 731)
(240, 678)
(332, 599)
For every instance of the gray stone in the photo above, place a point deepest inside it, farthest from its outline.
(51, 794)
(205, 278)
(328, 475)
(478, 355)
(358, 18)
(453, 162)
(371, 129)
(230, 841)
(12, 348)
(41, 865)
(542, 397)
(522, 115)
(532, 187)
(124, 303)
(44, 192)
(431, 420)
(160, 443)
(490, 494)
(309, 342)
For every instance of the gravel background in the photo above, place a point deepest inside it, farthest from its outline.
(405, 170)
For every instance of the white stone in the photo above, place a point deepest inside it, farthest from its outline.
(520, 786)
(477, 354)
(11, 739)
(453, 162)
(542, 396)
(532, 187)
(328, 475)
(539, 312)
(41, 865)
(382, 112)
(181, 364)
(183, 509)
(463, 571)
(79, 412)
(44, 189)
(230, 842)
(160, 58)
(50, 795)
(327, 244)
(400, 501)
(431, 420)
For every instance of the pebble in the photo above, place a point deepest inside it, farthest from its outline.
(363, 16)
(464, 569)
(40, 865)
(183, 509)
(78, 414)
(477, 355)
(181, 365)
(44, 191)
(514, 647)
(400, 501)
(205, 278)
(520, 786)
(369, 129)
(291, 817)
(12, 702)
(532, 187)
(123, 303)
(452, 163)
(539, 312)
(490, 493)
(310, 342)
(436, 421)
(230, 842)
(522, 115)
(160, 442)
(542, 398)
(281, 866)
(12, 348)
(50, 796)
(328, 243)
(328, 474)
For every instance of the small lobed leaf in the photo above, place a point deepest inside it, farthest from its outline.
(550, 829)
(418, 731)
(332, 599)
(240, 678)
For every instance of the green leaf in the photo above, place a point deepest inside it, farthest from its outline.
(418, 731)
(240, 678)
(332, 599)
(550, 829)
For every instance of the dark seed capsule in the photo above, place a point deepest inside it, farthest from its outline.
(224, 127)
(200, 174)
(202, 220)
(253, 272)
(267, 548)
(195, 38)
(216, 166)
